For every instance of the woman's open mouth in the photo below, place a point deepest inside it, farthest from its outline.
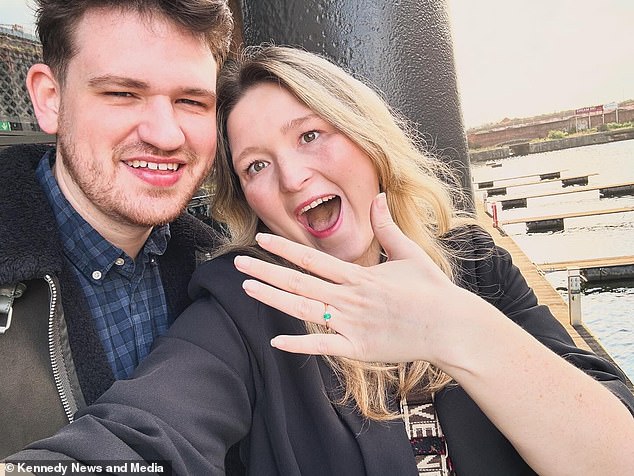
(321, 216)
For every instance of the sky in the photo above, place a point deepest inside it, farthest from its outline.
(17, 12)
(520, 58)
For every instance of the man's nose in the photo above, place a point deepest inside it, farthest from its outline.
(159, 125)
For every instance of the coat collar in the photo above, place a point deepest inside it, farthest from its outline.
(29, 244)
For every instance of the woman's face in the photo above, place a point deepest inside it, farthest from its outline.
(303, 178)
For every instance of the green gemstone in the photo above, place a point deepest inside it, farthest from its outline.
(327, 316)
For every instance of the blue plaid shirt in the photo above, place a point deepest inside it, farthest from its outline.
(125, 296)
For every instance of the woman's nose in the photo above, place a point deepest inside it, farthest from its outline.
(293, 173)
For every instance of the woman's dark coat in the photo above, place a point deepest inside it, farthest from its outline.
(214, 380)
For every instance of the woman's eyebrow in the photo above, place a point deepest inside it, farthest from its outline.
(295, 123)
(245, 152)
(290, 125)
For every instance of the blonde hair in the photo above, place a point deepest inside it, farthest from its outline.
(417, 187)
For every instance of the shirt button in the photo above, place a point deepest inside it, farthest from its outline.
(96, 275)
(119, 262)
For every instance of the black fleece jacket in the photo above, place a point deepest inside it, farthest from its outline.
(30, 248)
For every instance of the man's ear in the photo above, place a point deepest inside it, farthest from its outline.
(45, 96)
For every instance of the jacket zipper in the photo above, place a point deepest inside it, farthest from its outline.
(52, 350)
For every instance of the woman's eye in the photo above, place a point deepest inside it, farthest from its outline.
(256, 167)
(309, 136)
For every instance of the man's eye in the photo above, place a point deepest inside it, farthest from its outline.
(256, 167)
(191, 102)
(121, 94)
(309, 136)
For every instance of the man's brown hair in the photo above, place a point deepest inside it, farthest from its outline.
(57, 21)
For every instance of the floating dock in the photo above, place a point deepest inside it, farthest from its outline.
(586, 263)
(556, 222)
(592, 270)
(606, 190)
(482, 184)
(565, 182)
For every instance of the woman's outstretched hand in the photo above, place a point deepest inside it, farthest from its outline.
(395, 311)
(406, 309)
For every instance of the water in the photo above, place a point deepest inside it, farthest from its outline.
(607, 310)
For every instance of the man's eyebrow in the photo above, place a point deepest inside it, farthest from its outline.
(297, 122)
(122, 81)
(200, 92)
(131, 83)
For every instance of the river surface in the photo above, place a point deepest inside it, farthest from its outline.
(607, 310)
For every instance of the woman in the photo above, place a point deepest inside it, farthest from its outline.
(439, 358)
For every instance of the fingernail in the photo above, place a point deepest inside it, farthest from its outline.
(263, 238)
(241, 262)
(249, 285)
(278, 342)
(382, 201)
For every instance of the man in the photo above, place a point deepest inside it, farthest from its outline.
(95, 250)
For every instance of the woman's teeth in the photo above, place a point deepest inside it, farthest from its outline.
(316, 203)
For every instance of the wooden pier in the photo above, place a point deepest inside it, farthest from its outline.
(546, 294)
(586, 263)
(544, 291)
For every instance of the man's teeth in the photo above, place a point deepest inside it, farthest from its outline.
(315, 203)
(152, 165)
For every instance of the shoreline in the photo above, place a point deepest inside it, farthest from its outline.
(527, 148)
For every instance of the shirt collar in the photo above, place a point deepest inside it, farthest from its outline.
(92, 254)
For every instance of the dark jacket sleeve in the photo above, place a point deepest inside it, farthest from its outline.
(190, 400)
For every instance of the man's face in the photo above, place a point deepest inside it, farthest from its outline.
(137, 124)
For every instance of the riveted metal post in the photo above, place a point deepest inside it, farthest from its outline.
(574, 296)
